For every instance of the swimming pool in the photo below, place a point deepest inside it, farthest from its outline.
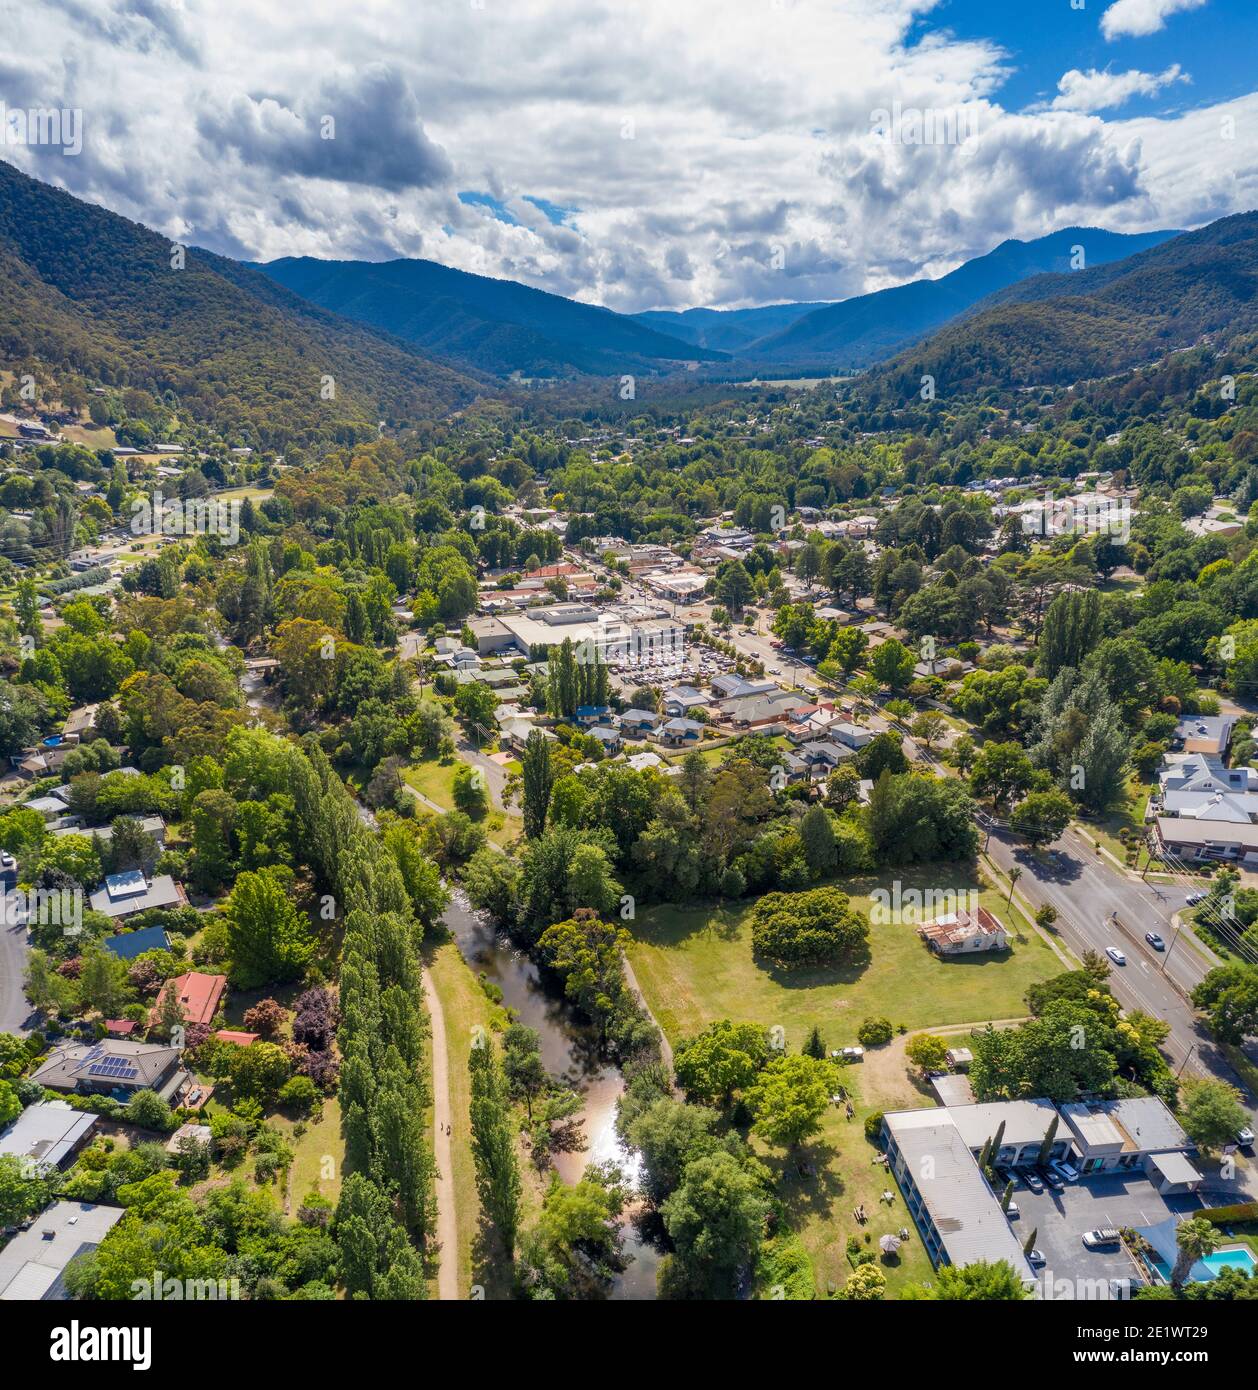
(1239, 1256)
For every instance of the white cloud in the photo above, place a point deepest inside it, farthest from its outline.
(1137, 18)
(752, 174)
(1098, 91)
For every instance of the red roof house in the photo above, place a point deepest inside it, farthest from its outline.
(199, 996)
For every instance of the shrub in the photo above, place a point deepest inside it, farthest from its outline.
(299, 1093)
(873, 1125)
(873, 1032)
(808, 928)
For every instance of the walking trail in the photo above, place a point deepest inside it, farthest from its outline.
(447, 1227)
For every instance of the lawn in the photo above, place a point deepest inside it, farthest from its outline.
(1128, 816)
(434, 780)
(696, 965)
(318, 1154)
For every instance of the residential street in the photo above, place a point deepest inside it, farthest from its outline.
(15, 1012)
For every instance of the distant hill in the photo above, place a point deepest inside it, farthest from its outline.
(83, 290)
(857, 332)
(1057, 329)
(726, 330)
(494, 325)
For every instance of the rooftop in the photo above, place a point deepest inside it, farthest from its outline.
(32, 1263)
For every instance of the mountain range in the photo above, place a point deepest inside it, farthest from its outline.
(308, 350)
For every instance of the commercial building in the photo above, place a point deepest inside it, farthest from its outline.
(33, 1262)
(1137, 1134)
(46, 1136)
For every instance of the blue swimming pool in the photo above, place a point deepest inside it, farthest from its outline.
(1239, 1256)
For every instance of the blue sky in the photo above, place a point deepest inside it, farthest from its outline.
(1045, 38)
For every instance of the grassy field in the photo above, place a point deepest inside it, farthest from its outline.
(696, 965)
(434, 780)
(1128, 816)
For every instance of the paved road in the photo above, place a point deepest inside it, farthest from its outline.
(442, 1119)
(1085, 895)
(15, 1013)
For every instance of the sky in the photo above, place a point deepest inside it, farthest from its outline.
(643, 153)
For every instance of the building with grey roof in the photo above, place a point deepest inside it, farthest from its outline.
(1132, 1134)
(33, 1263)
(48, 1135)
(957, 1214)
(114, 1067)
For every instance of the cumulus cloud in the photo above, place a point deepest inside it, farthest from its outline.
(1098, 91)
(654, 154)
(1137, 18)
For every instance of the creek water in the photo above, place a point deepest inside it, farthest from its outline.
(570, 1050)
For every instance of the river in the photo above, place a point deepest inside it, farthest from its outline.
(570, 1050)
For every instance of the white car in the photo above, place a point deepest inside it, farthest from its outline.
(1116, 955)
(1064, 1170)
(1245, 1137)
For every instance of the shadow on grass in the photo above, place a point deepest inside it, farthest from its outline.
(807, 1180)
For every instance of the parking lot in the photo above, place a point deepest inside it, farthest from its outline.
(1060, 1219)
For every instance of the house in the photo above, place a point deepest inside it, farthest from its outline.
(120, 1027)
(642, 762)
(961, 933)
(1199, 787)
(199, 996)
(681, 699)
(50, 807)
(758, 711)
(1201, 733)
(47, 1136)
(33, 1262)
(236, 1037)
(955, 1210)
(732, 687)
(589, 715)
(852, 736)
(129, 944)
(823, 755)
(1203, 841)
(153, 826)
(113, 1067)
(1137, 1133)
(123, 895)
(676, 733)
(515, 732)
(79, 722)
(609, 738)
(640, 721)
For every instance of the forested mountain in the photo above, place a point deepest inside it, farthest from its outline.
(726, 330)
(494, 325)
(87, 293)
(857, 332)
(1057, 329)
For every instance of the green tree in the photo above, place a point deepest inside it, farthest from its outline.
(269, 938)
(537, 776)
(720, 1061)
(493, 1144)
(1195, 1238)
(980, 1282)
(789, 1098)
(716, 1220)
(1211, 1113)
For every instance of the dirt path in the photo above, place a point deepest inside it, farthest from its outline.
(447, 1225)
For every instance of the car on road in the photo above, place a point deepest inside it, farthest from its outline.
(1116, 955)
(1101, 1238)
(1052, 1180)
(1032, 1179)
(1193, 899)
(1036, 1258)
(1155, 941)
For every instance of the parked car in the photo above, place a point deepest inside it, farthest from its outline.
(1245, 1137)
(1036, 1258)
(1052, 1180)
(1102, 1237)
(851, 1054)
(1032, 1179)
(1116, 955)
(1064, 1170)
(1155, 941)
(1013, 1210)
